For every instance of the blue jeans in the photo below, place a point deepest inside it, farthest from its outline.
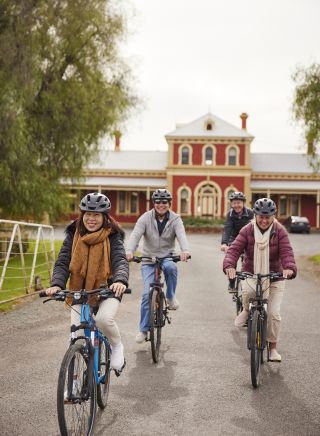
(170, 272)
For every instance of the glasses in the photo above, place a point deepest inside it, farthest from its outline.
(161, 201)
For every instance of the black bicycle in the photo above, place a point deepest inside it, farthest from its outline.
(157, 302)
(84, 375)
(257, 323)
(235, 289)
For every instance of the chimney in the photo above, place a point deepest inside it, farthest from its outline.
(244, 117)
(117, 136)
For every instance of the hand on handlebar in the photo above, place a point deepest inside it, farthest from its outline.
(118, 288)
(231, 273)
(184, 256)
(287, 273)
(129, 256)
(224, 248)
(52, 290)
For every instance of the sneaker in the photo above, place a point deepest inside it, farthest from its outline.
(173, 304)
(76, 390)
(141, 337)
(117, 357)
(274, 355)
(241, 319)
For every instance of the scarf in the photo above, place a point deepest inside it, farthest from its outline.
(261, 263)
(90, 264)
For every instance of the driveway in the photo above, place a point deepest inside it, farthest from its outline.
(201, 385)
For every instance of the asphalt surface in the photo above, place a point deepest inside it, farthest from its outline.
(201, 385)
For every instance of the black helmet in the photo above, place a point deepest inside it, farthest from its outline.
(265, 206)
(237, 196)
(95, 202)
(161, 194)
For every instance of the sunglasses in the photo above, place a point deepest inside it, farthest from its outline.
(161, 202)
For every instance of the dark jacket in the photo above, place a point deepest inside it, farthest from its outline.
(234, 223)
(280, 250)
(119, 263)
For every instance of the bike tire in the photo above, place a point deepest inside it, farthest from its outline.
(255, 348)
(76, 406)
(156, 315)
(103, 370)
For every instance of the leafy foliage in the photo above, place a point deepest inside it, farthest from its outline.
(306, 109)
(63, 86)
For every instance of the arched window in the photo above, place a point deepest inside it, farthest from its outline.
(185, 156)
(232, 156)
(208, 156)
(184, 199)
(209, 126)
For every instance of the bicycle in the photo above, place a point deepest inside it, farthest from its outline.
(235, 289)
(157, 303)
(257, 323)
(84, 375)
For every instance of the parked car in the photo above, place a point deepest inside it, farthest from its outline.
(297, 224)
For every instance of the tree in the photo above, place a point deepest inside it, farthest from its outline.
(306, 109)
(63, 86)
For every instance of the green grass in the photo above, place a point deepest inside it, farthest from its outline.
(202, 222)
(14, 283)
(315, 258)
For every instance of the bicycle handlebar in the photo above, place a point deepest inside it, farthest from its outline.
(242, 275)
(154, 259)
(61, 295)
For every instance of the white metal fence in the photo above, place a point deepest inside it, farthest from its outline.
(26, 254)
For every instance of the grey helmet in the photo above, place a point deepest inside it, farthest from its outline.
(265, 206)
(237, 196)
(161, 194)
(95, 202)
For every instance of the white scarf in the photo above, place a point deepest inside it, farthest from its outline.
(261, 258)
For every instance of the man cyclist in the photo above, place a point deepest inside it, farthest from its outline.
(237, 217)
(160, 227)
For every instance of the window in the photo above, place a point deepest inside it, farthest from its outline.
(184, 198)
(208, 156)
(128, 203)
(185, 156)
(283, 206)
(232, 156)
(295, 205)
(209, 126)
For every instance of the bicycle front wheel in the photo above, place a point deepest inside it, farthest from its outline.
(104, 375)
(256, 338)
(76, 401)
(239, 307)
(156, 315)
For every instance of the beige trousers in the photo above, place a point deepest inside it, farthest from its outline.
(274, 295)
(105, 319)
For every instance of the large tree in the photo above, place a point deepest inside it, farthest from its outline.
(63, 86)
(306, 109)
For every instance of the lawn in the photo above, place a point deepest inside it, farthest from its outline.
(14, 283)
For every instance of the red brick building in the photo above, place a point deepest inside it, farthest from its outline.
(206, 160)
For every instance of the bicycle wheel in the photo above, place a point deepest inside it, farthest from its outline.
(103, 371)
(255, 348)
(239, 307)
(156, 315)
(76, 405)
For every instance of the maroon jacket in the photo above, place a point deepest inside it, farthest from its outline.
(280, 250)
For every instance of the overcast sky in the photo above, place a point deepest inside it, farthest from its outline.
(224, 56)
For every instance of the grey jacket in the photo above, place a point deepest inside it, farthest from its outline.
(154, 244)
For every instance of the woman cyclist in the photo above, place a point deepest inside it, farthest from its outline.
(266, 248)
(93, 253)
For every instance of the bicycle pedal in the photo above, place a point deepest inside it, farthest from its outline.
(119, 371)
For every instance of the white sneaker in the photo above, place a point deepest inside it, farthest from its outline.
(141, 337)
(117, 357)
(241, 319)
(76, 389)
(274, 355)
(173, 304)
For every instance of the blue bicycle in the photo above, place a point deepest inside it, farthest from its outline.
(84, 375)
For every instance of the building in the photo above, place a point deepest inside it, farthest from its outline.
(206, 160)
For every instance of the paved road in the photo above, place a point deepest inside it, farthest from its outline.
(202, 384)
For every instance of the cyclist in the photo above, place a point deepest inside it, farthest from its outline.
(266, 248)
(160, 227)
(237, 217)
(93, 253)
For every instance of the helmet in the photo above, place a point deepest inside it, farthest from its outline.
(237, 196)
(161, 194)
(95, 202)
(265, 206)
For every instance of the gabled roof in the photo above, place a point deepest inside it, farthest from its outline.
(130, 160)
(198, 128)
(280, 163)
